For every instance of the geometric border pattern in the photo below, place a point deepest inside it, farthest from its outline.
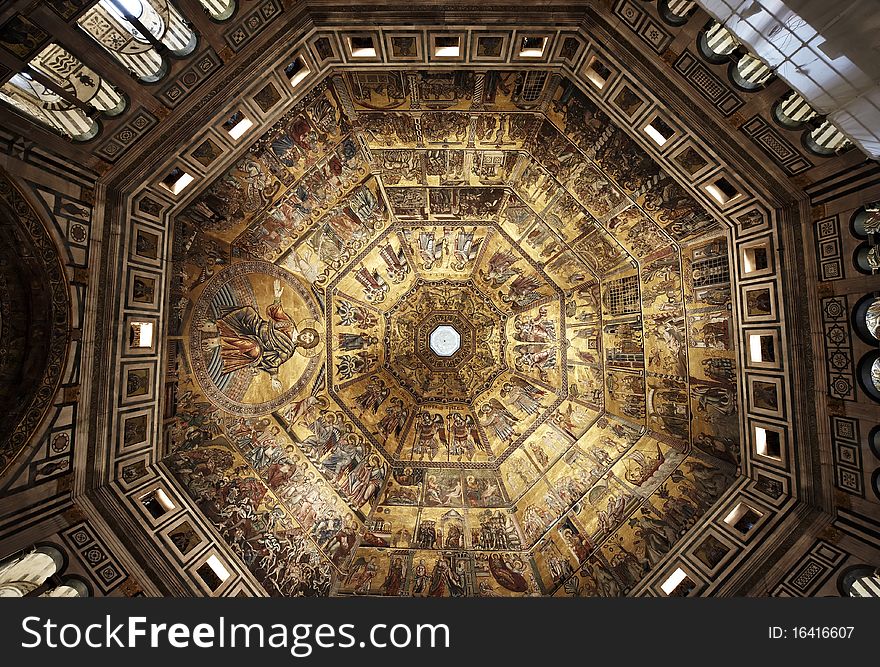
(811, 573)
(105, 569)
(848, 474)
(252, 24)
(140, 122)
(174, 93)
(839, 366)
(775, 145)
(649, 30)
(829, 248)
(707, 84)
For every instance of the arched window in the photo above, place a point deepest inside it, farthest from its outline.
(866, 220)
(27, 94)
(867, 258)
(793, 111)
(860, 581)
(716, 43)
(37, 572)
(58, 90)
(869, 374)
(71, 588)
(676, 12)
(874, 441)
(140, 34)
(826, 140)
(866, 319)
(74, 77)
(219, 10)
(750, 72)
(26, 571)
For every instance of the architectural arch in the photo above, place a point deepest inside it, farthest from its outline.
(34, 320)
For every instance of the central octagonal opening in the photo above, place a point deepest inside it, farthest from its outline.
(444, 341)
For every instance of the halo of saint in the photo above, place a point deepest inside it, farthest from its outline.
(255, 338)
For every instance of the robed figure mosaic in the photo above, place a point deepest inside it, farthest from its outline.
(254, 337)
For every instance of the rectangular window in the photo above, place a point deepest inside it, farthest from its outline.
(755, 258)
(213, 572)
(237, 124)
(361, 47)
(659, 131)
(767, 443)
(762, 348)
(722, 190)
(157, 503)
(141, 335)
(532, 47)
(176, 180)
(296, 72)
(743, 518)
(678, 584)
(447, 47)
(597, 73)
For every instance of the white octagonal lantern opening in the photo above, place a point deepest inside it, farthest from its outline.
(445, 341)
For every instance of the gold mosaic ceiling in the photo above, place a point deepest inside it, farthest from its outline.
(589, 414)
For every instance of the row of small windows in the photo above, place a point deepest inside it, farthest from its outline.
(176, 180)
(748, 72)
(743, 519)
(857, 581)
(718, 45)
(58, 90)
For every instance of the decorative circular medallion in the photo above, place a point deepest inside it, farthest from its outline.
(256, 337)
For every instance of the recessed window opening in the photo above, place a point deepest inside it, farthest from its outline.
(237, 124)
(659, 131)
(447, 47)
(743, 518)
(176, 180)
(297, 71)
(755, 259)
(767, 443)
(141, 334)
(532, 47)
(722, 191)
(597, 73)
(213, 572)
(678, 583)
(761, 348)
(157, 503)
(362, 47)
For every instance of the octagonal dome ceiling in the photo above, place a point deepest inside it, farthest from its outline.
(586, 415)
